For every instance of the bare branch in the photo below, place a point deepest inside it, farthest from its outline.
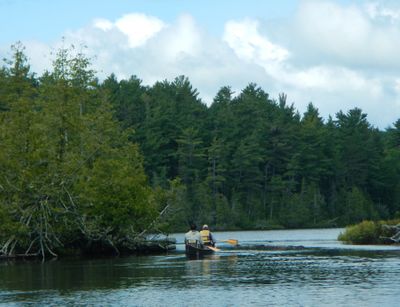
(394, 228)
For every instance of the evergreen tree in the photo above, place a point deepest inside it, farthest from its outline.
(60, 141)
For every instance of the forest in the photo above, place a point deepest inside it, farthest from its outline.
(89, 164)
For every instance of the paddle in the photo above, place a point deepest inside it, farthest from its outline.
(231, 241)
(213, 248)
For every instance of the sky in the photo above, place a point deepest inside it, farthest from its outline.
(337, 54)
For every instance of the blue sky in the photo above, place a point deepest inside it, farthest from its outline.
(48, 19)
(336, 54)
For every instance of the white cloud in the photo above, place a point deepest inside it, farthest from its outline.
(138, 28)
(337, 56)
(103, 24)
(244, 38)
(39, 56)
(246, 41)
(375, 10)
(350, 35)
(181, 39)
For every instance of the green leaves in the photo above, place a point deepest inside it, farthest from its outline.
(79, 157)
(114, 191)
(68, 170)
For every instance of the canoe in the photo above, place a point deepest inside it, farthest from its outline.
(194, 250)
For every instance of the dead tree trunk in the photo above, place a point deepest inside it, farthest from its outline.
(395, 230)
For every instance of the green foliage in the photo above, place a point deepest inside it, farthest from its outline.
(97, 162)
(113, 194)
(172, 200)
(357, 207)
(367, 232)
(303, 209)
(69, 174)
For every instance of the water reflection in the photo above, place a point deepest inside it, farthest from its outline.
(237, 277)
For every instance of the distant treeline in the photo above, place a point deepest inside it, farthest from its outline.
(91, 161)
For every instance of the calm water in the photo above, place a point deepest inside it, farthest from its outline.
(269, 268)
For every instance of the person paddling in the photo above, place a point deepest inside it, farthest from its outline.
(206, 236)
(192, 237)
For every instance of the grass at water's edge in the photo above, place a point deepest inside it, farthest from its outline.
(368, 232)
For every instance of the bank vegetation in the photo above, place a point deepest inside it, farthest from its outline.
(92, 166)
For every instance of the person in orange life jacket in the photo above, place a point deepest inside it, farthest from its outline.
(193, 237)
(206, 236)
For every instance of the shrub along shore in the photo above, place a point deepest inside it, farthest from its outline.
(372, 232)
(90, 165)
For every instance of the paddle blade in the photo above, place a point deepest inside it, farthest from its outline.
(213, 248)
(231, 241)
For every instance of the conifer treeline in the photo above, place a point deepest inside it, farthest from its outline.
(252, 161)
(75, 154)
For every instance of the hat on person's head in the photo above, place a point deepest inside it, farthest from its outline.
(205, 226)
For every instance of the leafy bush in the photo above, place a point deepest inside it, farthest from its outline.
(367, 232)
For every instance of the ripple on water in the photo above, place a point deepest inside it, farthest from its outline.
(318, 275)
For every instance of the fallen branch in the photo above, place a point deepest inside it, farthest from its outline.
(154, 221)
(9, 246)
(394, 228)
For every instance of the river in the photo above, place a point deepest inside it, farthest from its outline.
(269, 268)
